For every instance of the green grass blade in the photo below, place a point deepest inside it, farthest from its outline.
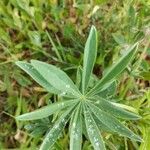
(113, 123)
(117, 111)
(55, 132)
(29, 69)
(90, 52)
(54, 47)
(146, 137)
(76, 131)
(46, 111)
(56, 77)
(93, 131)
(116, 69)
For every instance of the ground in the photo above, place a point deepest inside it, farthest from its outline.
(55, 32)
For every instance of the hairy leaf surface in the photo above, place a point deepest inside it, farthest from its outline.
(56, 77)
(90, 53)
(113, 123)
(29, 69)
(116, 69)
(93, 131)
(117, 111)
(46, 111)
(56, 130)
(76, 131)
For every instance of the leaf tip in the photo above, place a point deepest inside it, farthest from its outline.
(33, 61)
(18, 63)
(93, 27)
(137, 117)
(139, 139)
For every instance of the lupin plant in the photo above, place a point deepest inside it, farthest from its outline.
(82, 106)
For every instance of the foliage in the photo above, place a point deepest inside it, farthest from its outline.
(55, 32)
(80, 105)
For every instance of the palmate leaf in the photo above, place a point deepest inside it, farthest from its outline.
(56, 77)
(90, 113)
(117, 111)
(115, 70)
(29, 69)
(46, 111)
(113, 123)
(93, 131)
(76, 130)
(56, 130)
(90, 53)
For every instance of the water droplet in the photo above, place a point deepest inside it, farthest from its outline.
(95, 139)
(97, 102)
(73, 125)
(46, 141)
(67, 86)
(97, 144)
(56, 126)
(75, 135)
(63, 93)
(85, 112)
(91, 130)
(63, 120)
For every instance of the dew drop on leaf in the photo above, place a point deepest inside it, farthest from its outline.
(97, 144)
(97, 102)
(74, 125)
(67, 86)
(63, 93)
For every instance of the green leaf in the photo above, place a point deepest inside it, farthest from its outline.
(46, 111)
(108, 90)
(56, 77)
(93, 131)
(76, 131)
(117, 111)
(115, 70)
(84, 131)
(79, 77)
(29, 69)
(113, 123)
(119, 38)
(55, 132)
(145, 75)
(90, 52)
(146, 136)
(102, 127)
(22, 80)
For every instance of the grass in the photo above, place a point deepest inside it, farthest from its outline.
(55, 32)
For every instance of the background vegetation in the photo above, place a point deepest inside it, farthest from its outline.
(55, 31)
